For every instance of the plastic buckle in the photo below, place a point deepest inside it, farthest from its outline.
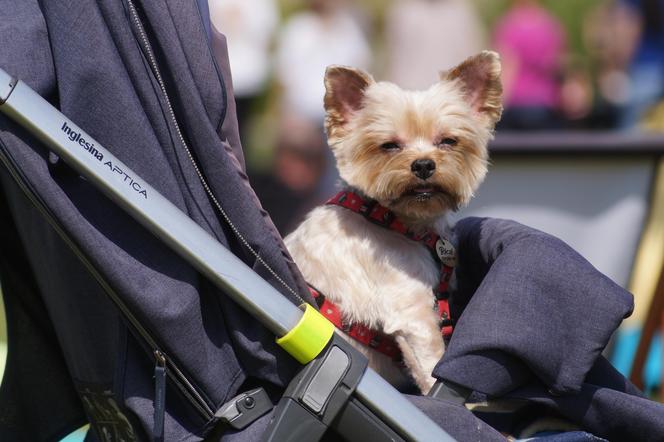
(450, 392)
(7, 85)
(245, 408)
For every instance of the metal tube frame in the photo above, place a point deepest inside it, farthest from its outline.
(23, 105)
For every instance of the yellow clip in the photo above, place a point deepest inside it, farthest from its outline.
(309, 337)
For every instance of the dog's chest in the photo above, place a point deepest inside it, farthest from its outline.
(367, 269)
(398, 260)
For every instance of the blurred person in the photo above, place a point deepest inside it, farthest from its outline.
(249, 27)
(532, 44)
(610, 34)
(576, 96)
(292, 186)
(325, 33)
(646, 69)
(425, 36)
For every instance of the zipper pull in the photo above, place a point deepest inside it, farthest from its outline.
(159, 396)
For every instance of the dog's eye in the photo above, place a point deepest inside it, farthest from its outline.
(447, 142)
(390, 146)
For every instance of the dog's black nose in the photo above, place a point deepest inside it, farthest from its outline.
(423, 168)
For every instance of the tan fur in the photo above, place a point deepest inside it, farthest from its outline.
(376, 276)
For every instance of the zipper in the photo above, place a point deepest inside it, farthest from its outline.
(148, 53)
(170, 367)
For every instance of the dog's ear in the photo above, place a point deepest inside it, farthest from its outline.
(344, 91)
(479, 76)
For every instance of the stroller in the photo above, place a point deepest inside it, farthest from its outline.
(185, 304)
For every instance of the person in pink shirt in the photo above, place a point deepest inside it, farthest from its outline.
(532, 44)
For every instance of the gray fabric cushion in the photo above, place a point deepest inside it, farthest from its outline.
(84, 57)
(532, 307)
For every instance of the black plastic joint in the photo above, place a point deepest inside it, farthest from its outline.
(450, 392)
(244, 408)
(7, 84)
(317, 394)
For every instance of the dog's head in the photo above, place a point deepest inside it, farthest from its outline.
(419, 153)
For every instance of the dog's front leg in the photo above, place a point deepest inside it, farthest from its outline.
(415, 329)
(420, 363)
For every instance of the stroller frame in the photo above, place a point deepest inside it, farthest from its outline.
(334, 389)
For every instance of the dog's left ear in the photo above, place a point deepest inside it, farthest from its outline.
(479, 77)
(344, 92)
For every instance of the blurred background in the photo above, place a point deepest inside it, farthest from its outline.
(568, 65)
(578, 150)
(578, 153)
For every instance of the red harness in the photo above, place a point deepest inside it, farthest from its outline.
(441, 250)
(361, 333)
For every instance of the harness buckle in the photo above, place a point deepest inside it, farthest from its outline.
(367, 207)
(245, 408)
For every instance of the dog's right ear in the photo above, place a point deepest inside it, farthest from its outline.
(344, 91)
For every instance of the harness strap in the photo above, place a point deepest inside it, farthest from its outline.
(441, 249)
(373, 338)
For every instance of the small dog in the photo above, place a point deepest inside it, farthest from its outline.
(417, 155)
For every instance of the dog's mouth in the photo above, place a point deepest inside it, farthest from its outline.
(423, 192)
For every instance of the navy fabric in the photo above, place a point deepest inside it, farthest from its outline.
(532, 305)
(607, 405)
(569, 436)
(36, 371)
(456, 420)
(535, 317)
(85, 57)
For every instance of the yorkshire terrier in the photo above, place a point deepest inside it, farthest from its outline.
(377, 254)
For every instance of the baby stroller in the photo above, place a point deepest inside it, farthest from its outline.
(177, 352)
